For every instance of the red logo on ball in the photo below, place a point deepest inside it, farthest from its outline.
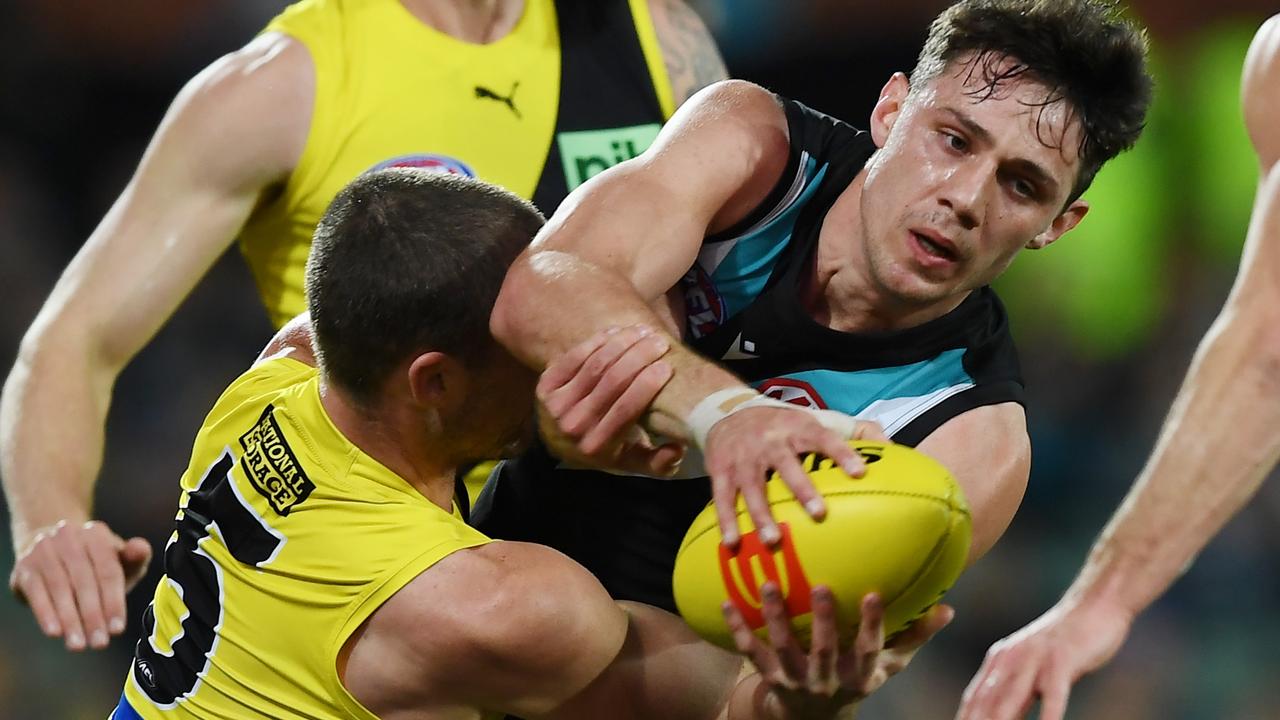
(753, 564)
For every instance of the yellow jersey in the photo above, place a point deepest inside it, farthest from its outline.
(576, 87)
(288, 537)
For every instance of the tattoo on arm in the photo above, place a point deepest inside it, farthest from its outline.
(689, 51)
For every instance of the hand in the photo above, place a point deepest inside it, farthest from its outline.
(591, 398)
(747, 445)
(825, 679)
(1042, 660)
(75, 578)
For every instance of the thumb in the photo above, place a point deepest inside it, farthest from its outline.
(135, 556)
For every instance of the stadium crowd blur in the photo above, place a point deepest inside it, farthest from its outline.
(1106, 322)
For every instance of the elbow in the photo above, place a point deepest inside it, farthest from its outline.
(508, 316)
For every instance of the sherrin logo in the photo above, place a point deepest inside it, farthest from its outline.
(796, 392)
(442, 164)
(753, 564)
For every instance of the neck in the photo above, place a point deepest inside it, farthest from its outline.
(474, 21)
(841, 292)
(393, 437)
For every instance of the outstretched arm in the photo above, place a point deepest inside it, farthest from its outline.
(1219, 442)
(236, 128)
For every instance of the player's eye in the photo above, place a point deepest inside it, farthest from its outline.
(954, 141)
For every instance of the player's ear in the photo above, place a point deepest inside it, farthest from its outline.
(1066, 220)
(437, 381)
(889, 107)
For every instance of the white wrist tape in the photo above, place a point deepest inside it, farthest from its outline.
(723, 403)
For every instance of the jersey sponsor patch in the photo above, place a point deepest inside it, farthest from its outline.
(271, 465)
(703, 304)
(442, 164)
(796, 392)
(587, 153)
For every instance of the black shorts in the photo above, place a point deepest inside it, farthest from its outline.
(625, 530)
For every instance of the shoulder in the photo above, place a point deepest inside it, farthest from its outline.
(292, 341)
(688, 50)
(252, 103)
(1260, 91)
(507, 625)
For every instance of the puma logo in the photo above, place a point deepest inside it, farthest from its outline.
(484, 93)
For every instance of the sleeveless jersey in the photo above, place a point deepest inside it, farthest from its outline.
(576, 87)
(288, 537)
(743, 309)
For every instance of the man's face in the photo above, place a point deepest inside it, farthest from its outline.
(962, 182)
(500, 420)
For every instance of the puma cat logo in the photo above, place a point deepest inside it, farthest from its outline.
(484, 93)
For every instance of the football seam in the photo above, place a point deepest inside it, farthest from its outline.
(946, 502)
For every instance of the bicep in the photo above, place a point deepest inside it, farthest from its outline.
(228, 134)
(989, 454)
(1260, 93)
(646, 218)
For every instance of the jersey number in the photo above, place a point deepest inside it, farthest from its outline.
(213, 505)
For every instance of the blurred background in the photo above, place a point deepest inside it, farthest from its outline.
(1106, 321)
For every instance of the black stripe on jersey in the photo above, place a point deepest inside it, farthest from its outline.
(604, 82)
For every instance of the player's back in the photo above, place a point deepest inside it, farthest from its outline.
(287, 538)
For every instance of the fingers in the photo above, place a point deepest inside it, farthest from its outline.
(29, 586)
(824, 644)
(801, 485)
(135, 555)
(1002, 689)
(1053, 699)
(640, 388)
(105, 562)
(72, 577)
(560, 371)
(869, 430)
(920, 631)
(757, 502)
(582, 400)
(790, 656)
(763, 657)
(858, 666)
(661, 461)
(73, 550)
(724, 496)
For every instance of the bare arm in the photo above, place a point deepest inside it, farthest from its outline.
(1219, 442)
(520, 629)
(622, 240)
(235, 129)
(988, 452)
(688, 50)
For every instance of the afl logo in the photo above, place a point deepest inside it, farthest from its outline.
(703, 306)
(432, 163)
(796, 392)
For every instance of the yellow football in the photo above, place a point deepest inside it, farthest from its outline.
(902, 530)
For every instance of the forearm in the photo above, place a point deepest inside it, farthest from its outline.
(542, 313)
(1217, 446)
(52, 416)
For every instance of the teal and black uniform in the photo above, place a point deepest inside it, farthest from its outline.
(743, 309)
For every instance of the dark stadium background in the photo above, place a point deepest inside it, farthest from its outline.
(1107, 321)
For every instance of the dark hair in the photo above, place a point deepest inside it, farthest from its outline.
(1082, 50)
(408, 260)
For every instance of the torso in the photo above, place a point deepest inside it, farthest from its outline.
(288, 538)
(572, 89)
(743, 309)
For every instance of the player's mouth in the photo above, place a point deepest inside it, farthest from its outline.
(933, 249)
